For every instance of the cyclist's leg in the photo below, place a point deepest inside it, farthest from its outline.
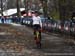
(34, 31)
(39, 43)
(39, 29)
(40, 34)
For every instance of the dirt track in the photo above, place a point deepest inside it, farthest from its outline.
(18, 41)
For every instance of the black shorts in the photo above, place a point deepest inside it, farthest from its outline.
(36, 27)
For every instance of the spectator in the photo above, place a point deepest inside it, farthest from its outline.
(2, 19)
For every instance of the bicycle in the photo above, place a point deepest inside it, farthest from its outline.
(38, 38)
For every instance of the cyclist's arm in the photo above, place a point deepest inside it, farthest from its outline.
(40, 22)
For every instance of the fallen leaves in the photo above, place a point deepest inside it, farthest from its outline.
(13, 45)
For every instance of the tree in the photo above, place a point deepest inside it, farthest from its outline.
(18, 8)
(11, 4)
(1, 7)
(26, 5)
(44, 5)
(66, 8)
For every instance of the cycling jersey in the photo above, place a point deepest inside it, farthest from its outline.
(37, 20)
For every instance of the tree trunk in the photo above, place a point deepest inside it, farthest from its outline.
(45, 8)
(18, 9)
(26, 6)
(44, 5)
(1, 7)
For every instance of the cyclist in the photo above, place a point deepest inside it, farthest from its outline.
(37, 25)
